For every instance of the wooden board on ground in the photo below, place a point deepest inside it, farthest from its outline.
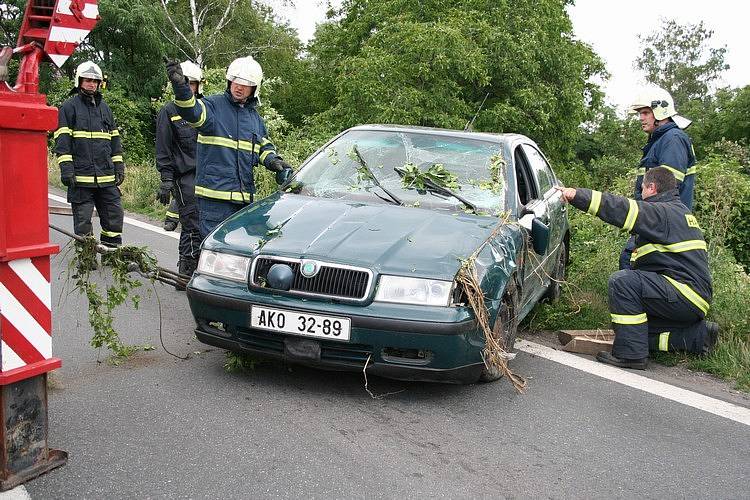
(586, 341)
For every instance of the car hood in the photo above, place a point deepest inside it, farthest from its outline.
(385, 238)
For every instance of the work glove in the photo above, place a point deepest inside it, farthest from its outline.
(165, 191)
(174, 72)
(68, 179)
(119, 178)
(283, 170)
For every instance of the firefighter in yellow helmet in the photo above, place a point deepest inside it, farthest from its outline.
(89, 153)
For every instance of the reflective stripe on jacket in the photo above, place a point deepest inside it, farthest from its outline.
(232, 139)
(668, 240)
(670, 147)
(87, 141)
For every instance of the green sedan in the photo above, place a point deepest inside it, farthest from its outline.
(356, 262)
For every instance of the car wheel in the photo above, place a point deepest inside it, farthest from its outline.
(554, 289)
(505, 327)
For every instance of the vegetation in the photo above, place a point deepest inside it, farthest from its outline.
(432, 63)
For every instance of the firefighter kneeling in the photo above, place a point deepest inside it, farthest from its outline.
(660, 304)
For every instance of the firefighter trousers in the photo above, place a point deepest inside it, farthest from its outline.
(648, 313)
(173, 210)
(108, 206)
(214, 212)
(187, 208)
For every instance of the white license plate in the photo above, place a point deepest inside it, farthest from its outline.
(297, 323)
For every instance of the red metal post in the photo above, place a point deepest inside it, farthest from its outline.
(25, 293)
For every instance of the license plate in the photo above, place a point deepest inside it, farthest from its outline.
(297, 323)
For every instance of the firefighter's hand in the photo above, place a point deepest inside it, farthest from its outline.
(283, 170)
(174, 72)
(165, 191)
(567, 193)
(119, 178)
(68, 179)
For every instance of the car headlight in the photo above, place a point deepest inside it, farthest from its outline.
(403, 290)
(224, 265)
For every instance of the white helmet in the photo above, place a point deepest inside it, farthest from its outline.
(246, 71)
(88, 69)
(661, 103)
(193, 73)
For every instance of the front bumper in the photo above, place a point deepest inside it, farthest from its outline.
(393, 346)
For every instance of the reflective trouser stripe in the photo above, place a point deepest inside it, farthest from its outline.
(690, 294)
(680, 176)
(117, 158)
(632, 216)
(172, 215)
(664, 341)
(111, 234)
(223, 195)
(596, 200)
(681, 246)
(629, 319)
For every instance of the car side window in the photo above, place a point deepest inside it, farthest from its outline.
(526, 186)
(540, 167)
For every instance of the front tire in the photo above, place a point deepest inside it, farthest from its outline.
(505, 327)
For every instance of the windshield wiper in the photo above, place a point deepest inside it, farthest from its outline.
(433, 186)
(375, 180)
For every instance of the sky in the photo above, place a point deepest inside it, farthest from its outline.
(612, 29)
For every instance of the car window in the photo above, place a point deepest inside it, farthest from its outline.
(541, 169)
(524, 180)
(474, 169)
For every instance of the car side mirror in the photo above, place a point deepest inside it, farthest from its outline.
(539, 236)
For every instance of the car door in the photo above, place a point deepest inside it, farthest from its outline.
(555, 209)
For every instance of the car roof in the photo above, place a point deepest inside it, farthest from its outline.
(485, 136)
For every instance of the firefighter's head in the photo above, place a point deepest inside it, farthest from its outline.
(244, 77)
(89, 77)
(655, 107)
(194, 76)
(658, 180)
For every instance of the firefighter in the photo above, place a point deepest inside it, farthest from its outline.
(667, 146)
(659, 304)
(232, 139)
(175, 160)
(89, 153)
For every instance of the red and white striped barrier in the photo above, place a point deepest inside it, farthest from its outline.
(25, 312)
(71, 24)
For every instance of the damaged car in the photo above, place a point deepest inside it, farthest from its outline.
(355, 263)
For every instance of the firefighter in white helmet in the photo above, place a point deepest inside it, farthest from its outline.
(176, 143)
(232, 140)
(89, 153)
(668, 146)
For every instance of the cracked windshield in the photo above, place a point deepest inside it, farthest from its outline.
(411, 169)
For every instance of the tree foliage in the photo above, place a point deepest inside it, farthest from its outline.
(432, 63)
(678, 58)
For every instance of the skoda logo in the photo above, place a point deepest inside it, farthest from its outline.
(309, 268)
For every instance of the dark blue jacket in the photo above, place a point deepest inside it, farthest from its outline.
(670, 147)
(232, 139)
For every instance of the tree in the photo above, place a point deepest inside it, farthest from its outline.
(431, 62)
(678, 58)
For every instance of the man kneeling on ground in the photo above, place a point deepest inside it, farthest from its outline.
(659, 304)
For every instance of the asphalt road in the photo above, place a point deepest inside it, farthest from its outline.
(158, 426)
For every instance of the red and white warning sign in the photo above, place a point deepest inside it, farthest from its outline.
(70, 25)
(25, 312)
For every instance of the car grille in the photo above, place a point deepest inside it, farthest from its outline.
(330, 351)
(332, 280)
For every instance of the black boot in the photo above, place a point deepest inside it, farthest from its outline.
(170, 224)
(610, 359)
(712, 337)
